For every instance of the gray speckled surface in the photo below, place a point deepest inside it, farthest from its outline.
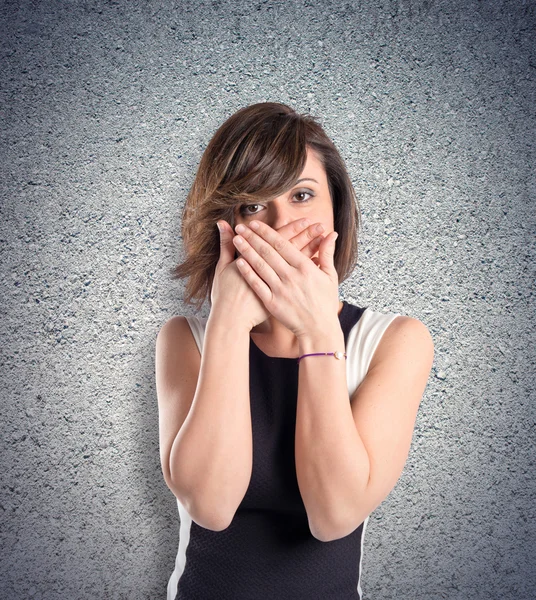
(106, 107)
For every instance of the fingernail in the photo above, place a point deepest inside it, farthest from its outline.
(240, 228)
(254, 225)
(319, 228)
(305, 223)
(219, 226)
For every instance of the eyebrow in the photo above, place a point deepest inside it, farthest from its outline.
(306, 179)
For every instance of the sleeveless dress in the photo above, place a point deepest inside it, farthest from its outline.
(268, 551)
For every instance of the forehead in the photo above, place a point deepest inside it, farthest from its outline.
(313, 167)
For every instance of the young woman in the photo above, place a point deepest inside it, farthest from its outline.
(286, 417)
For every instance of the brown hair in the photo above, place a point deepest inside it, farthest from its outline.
(257, 154)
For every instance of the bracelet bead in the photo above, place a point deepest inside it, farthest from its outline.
(338, 355)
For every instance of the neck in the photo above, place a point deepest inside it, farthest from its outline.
(272, 327)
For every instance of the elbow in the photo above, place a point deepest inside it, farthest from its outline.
(320, 535)
(334, 530)
(328, 535)
(332, 534)
(210, 519)
(323, 532)
(206, 515)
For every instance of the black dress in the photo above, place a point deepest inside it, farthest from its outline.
(268, 551)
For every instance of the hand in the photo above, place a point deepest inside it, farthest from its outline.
(231, 296)
(300, 293)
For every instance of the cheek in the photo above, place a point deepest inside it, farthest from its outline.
(328, 221)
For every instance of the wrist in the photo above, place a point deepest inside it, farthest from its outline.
(224, 323)
(327, 339)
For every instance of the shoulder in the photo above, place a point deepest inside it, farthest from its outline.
(406, 339)
(174, 330)
(173, 327)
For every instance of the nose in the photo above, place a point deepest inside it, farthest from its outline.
(280, 214)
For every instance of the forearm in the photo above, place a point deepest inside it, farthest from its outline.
(332, 464)
(211, 456)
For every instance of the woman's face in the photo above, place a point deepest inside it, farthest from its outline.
(308, 198)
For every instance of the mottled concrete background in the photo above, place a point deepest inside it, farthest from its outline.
(106, 108)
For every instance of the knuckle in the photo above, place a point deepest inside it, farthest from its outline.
(303, 267)
(264, 251)
(285, 281)
(280, 244)
(297, 227)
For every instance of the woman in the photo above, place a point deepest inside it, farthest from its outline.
(286, 417)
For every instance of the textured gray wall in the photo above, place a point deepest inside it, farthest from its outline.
(106, 107)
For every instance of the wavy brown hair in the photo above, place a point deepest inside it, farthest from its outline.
(256, 155)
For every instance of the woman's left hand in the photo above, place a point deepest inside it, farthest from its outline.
(300, 292)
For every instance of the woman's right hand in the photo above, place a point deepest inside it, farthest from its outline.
(232, 300)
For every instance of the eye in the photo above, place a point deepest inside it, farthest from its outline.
(250, 209)
(303, 193)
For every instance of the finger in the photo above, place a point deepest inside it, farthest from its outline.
(265, 261)
(272, 246)
(326, 253)
(260, 250)
(307, 235)
(227, 250)
(312, 247)
(254, 281)
(293, 228)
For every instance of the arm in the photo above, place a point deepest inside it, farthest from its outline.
(204, 406)
(351, 453)
(205, 421)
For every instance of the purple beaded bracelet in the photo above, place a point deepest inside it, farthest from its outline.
(337, 355)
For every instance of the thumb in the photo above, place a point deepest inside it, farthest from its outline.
(326, 251)
(227, 249)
